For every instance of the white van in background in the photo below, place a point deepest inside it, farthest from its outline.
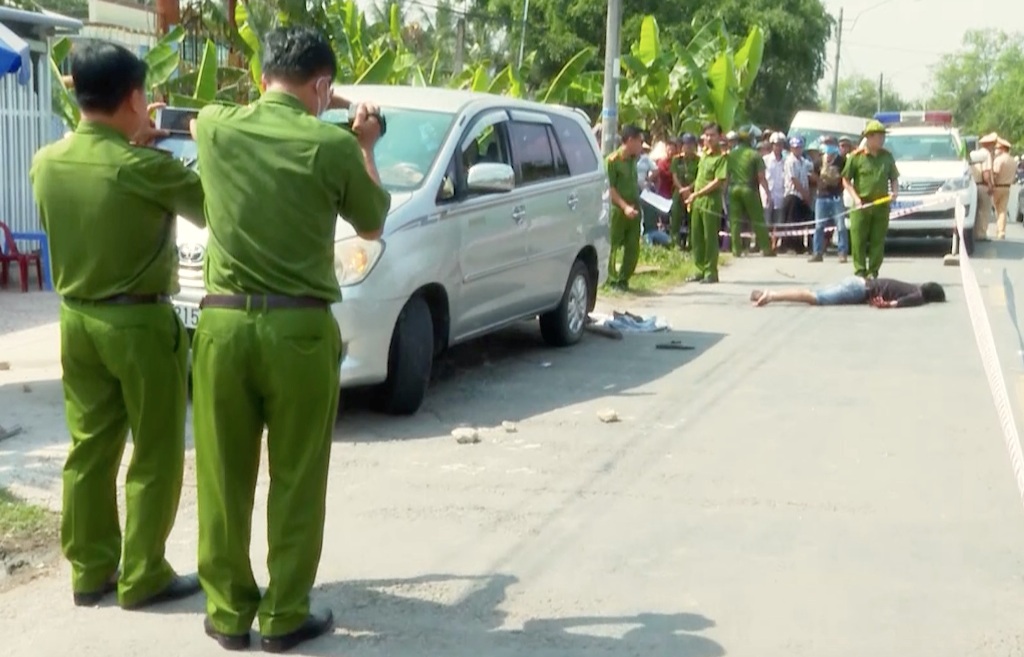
(813, 125)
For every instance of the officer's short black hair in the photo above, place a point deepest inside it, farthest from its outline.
(298, 54)
(933, 293)
(631, 132)
(104, 75)
(711, 125)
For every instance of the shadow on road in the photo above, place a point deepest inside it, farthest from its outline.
(512, 375)
(430, 615)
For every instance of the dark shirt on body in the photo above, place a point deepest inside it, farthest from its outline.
(889, 289)
(830, 177)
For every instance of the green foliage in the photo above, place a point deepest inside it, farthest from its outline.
(858, 96)
(983, 83)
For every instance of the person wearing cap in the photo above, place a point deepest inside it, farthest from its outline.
(1004, 172)
(871, 177)
(982, 173)
(684, 173)
(707, 205)
(775, 175)
(845, 146)
(796, 206)
(828, 206)
(624, 183)
(746, 175)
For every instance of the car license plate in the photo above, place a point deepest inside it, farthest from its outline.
(189, 315)
(904, 204)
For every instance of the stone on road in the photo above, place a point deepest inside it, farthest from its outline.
(807, 482)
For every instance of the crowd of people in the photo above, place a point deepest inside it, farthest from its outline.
(751, 192)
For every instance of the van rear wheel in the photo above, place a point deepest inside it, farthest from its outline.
(410, 360)
(564, 325)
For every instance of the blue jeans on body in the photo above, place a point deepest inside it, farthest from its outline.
(850, 290)
(830, 209)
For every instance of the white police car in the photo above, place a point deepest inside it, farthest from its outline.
(935, 172)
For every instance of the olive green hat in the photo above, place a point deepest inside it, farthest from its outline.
(873, 128)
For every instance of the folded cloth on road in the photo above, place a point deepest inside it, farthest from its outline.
(630, 323)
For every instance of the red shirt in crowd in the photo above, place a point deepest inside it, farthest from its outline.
(664, 178)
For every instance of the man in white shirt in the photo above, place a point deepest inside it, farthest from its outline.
(983, 178)
(774, 164)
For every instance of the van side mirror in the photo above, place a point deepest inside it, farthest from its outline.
(978, 157)
(490, 178)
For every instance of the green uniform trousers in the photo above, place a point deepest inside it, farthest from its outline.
(705, 222)
(250, 369)
(745, 202)
(125, 368)
(676, 219)
(868, 227)
(625, 236)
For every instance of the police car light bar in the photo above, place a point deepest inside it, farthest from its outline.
(925, 118)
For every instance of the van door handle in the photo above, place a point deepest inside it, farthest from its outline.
(519, 213)
(574, 201)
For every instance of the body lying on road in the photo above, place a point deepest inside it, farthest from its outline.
(879, 292)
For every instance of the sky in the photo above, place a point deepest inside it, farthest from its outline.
(902, 39)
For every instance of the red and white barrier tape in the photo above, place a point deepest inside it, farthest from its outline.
(989, 356)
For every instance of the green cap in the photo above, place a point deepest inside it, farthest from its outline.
(874, 127)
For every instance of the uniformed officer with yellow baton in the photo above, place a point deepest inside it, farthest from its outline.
(267, 349)
(108, 207)
(871, 177)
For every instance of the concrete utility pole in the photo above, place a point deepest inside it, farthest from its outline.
(522, 34)
(835, 66)
(881, 87)
(610, 113)
(460, 44)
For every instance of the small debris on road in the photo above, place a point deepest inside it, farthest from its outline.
(509, 427)
(608, 416)
(466, 435)
(785, 273)
(674, 344)
(4, 365)
(10, 433)
(26, 388)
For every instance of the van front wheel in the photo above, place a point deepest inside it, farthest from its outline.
(564, 325)
(410, 359)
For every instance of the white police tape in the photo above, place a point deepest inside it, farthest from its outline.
(989, 357)
(803, 228)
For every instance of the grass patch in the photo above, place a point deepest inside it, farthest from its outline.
(659, 269)
(25, 527)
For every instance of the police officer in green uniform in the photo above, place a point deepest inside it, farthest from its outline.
(870, 175)
(625, 195)
(684, 173)
(706, 205)
(746, 173)
(108, 207)
(267, 348)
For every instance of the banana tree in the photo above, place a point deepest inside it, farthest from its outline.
(162, 61)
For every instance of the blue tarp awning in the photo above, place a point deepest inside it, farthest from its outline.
(14, 57)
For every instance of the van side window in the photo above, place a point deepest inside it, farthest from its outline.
(532, 146)
(576, 144)
(486, 146)
(561, 166)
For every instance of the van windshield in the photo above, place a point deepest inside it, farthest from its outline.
(922, 148)
(404, 155)
(812, 136)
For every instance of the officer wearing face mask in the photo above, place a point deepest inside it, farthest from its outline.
(267, 349)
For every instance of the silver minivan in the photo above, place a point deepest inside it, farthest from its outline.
(499, 213)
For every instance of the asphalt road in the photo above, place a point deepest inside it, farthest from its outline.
(807, 482)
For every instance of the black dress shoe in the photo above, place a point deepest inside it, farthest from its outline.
(226, 641)
(93, 598)
(316, 624)
(182, 586)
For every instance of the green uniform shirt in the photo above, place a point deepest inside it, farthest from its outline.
(276, 180)
(622, 176)
(870, 174)
(712, 167)
(684, 167)
(744, 166)
(108, 208)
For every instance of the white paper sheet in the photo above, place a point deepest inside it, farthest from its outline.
(660, 203)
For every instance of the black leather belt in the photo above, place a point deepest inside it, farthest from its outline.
(123, 300)
(260, 302)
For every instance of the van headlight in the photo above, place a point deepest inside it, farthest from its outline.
(354, 259)
(957, 184)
